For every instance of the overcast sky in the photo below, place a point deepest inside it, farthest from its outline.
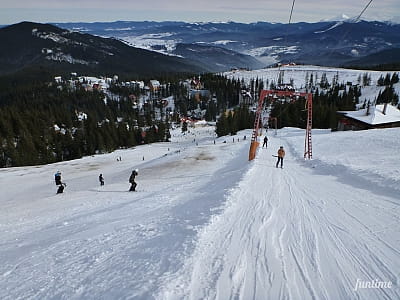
(14, 11)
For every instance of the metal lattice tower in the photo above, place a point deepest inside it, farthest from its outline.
(308, 139)
(272, 94)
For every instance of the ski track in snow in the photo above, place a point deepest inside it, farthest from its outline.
(288, 234)
(205, 223)
(103, 242)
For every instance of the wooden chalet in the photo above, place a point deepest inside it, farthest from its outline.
(373, 116)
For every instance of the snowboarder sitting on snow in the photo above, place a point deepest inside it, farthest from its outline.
(265, 142)
(132, 180)
(281, 155)
(101, 179)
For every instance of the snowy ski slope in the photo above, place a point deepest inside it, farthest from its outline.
(206, 223)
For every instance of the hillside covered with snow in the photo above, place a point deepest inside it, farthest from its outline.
(205, 223)
(301, 75)
(337, 42)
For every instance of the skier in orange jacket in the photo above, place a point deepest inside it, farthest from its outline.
(281, 155)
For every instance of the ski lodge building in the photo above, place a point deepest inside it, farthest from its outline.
(378, 116)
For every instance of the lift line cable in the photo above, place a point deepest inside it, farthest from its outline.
(365, 8)
(286, 35)
(348, 30)
(291, 11)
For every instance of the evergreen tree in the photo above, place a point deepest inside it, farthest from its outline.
(395, 78)
(386, 81)
(222, 126)
(381, 81)
(306, 81)
(311, 82)
(280, 77)
(388, 96)
(324, 81)
(184, 126)
(366, 79)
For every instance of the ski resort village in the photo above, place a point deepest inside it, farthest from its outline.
(187, 200)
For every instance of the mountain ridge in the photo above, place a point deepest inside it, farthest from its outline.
(331, 43)
(67, 51)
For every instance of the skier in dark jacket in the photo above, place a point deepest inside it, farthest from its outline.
(132, 180)
(101, 179)
(265, 142)
(61, 185)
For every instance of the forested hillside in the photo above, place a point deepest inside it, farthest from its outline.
(43, 124)
(44, 121)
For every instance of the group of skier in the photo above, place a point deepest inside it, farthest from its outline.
(61, 185)
(281, 152)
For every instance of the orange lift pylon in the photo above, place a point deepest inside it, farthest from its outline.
(272, 94)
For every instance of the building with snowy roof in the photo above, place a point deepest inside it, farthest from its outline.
(154, 85)
(373, 116)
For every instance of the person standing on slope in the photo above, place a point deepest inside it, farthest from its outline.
(61, 185)
(265, 142)
(281, 155)
(57, 178)
(101, 179)
(132, 180)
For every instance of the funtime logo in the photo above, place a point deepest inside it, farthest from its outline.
(372, 284)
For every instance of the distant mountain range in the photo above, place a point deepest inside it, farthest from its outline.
(330, 43)
(155, 48)
(27, 46)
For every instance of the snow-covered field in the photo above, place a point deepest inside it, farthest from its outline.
(301, 74)
(207, 224)
(148, 41)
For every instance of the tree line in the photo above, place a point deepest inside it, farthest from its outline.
(328, 98)
(42, 123)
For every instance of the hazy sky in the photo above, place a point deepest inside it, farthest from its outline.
(14, 11)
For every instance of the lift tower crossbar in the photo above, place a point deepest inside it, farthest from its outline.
(273, 94)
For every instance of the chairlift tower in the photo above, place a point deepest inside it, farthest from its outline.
(273, 95)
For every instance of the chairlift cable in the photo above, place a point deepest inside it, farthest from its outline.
(365, 8)
(348, 30)
(287, 29)
(291, 11)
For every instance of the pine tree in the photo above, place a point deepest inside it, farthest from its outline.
(324, 81)
(184, 126)
(306, 81)
(222, 127)
(381, 81)
(395, 78)
(386, 81)
(280, 77)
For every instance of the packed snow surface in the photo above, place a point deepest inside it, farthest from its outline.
(205, 223)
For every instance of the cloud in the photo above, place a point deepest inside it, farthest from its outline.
(190, 10)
